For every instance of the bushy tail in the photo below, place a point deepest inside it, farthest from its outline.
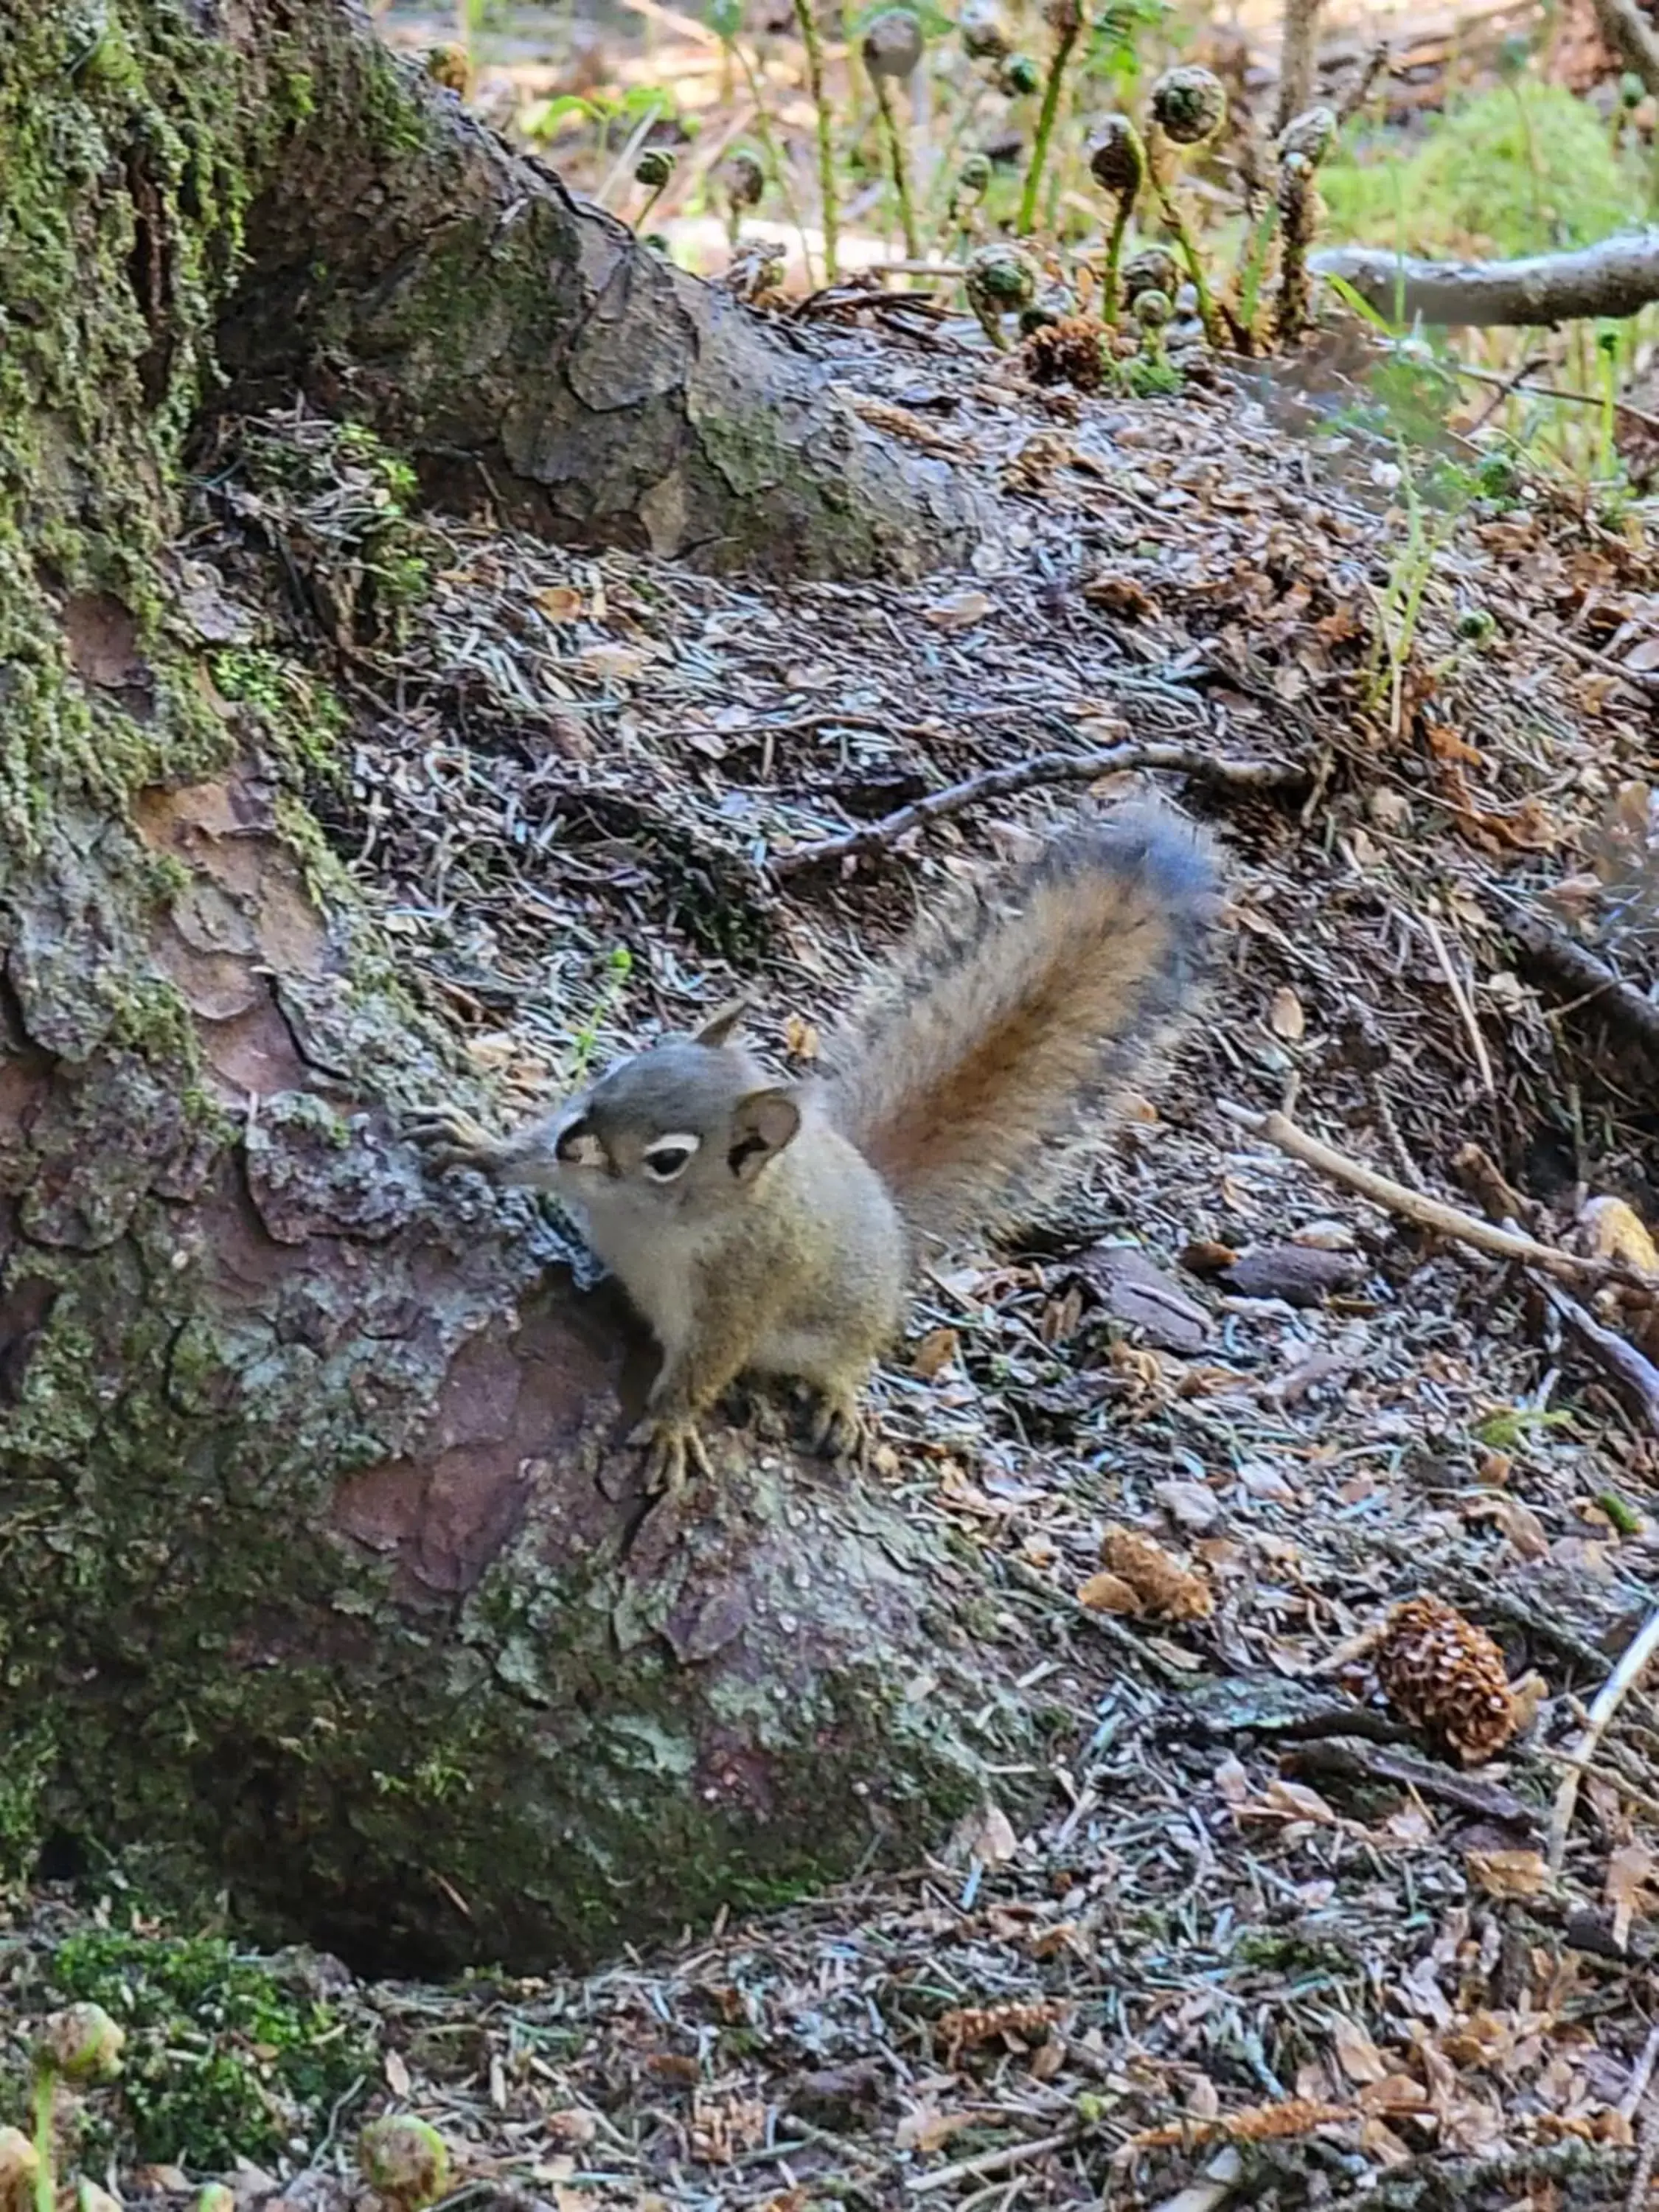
(1007, 1017)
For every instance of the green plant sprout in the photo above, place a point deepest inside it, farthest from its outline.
(1117, 162)
(823, 121)
(725, 22)
(1189, 106)
(655, 170)
(1064, 19)
(618, 967)
(892, 45)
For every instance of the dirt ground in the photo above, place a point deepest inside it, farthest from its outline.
(1266, 1944)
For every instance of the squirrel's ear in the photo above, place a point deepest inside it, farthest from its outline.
(718, 1029)
(762, 1125)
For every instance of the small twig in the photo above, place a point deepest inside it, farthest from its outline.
(1506, 388)
(1630, 2103)
(1647, 2149)
(1520, 382)
(1465, 1005)
(1432, 1214)
(1645, 680)
(1608, 1699)
(1357, 1761)
(995, 2162)
(1614, 1780)
(1359, 91)
(1020, 776)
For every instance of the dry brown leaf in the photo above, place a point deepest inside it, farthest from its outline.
(986, 1836)
(616, 663)
(1165, 1589)
(960, 610)
(923, 2128)
(1232, 1781)
(1104, 1593)
(560, 604)
(1509, 1873)
(1630, 1870)
(1355, 2054)
(1191, 1505)
(935, 1353)
(1291, 1800)
(1134, 1292)
(1284, 1016)
(395, 2072)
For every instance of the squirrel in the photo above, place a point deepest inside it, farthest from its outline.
(771, 1228)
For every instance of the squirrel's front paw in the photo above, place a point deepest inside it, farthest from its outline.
(670, 1440)
(840, 1430)
(450, 1139)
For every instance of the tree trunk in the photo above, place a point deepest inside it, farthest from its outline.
(326, 1579)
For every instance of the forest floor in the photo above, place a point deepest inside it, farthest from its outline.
(1263, 1944)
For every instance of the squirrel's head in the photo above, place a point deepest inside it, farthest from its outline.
(682, 1129)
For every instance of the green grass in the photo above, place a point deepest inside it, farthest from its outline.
(226, 2057)
(1520, 169)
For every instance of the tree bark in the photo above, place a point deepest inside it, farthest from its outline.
(326, 1579)
(1618, 276)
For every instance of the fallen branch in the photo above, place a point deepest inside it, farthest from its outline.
(1628, 1367)
(1433, 1214)
(1021, 775)
(1357, 1761)
(1635, 1374)
(1555, 955)
(1618, 276)
(1608, 1699)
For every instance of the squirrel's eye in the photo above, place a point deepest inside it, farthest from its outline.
(670, 1156)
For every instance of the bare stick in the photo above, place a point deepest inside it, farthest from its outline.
(994, 2161)
(1298, 54)
(1577, 970)
(1432, 1213)
(1617, 278)
(1608, 1699)
(1636, 1375)
(1359, 91)
(1465, 1005)
(1041, 767)
(1523, 382)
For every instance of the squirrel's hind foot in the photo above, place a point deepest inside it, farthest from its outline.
(670, 1441)
(839, 1429)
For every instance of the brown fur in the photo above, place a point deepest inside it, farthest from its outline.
(1008, 1016)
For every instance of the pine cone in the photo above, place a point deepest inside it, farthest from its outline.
(1446, 1676)
(965, 2027)
(1069, 351)
(1172, 1592)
